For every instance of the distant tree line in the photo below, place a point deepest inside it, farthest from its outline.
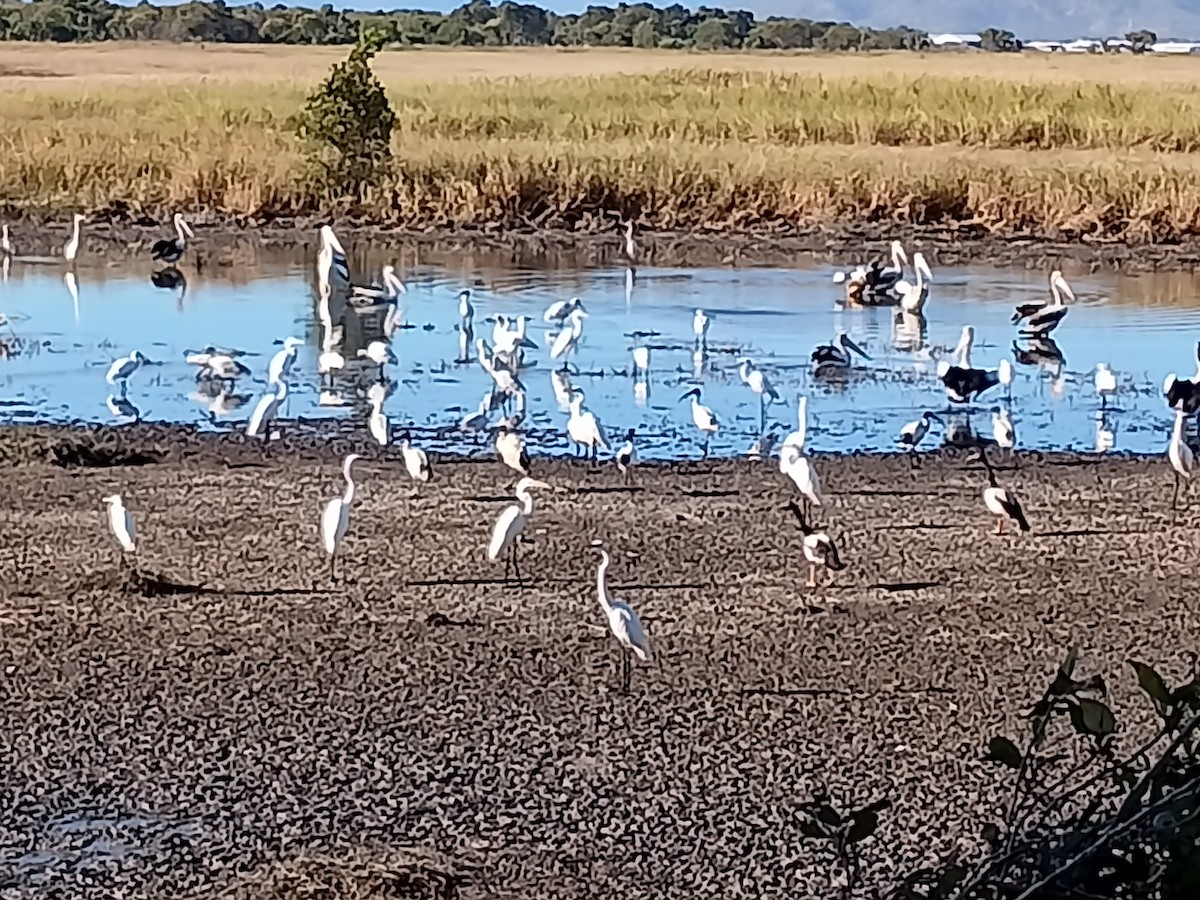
(476, 24)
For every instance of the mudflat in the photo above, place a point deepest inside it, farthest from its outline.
(219, 718)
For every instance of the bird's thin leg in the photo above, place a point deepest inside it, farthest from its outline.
(626, 670)
(629, 475)
(1175, 493)
(507, 564)
(332, 569)
(705, 454)
(762, 414)
(999, 525)
(812, 576)
(516, 562)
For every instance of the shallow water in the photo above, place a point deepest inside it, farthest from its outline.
(65, 336)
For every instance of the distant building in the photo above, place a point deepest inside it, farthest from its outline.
(1175, 47)
(950, 41)
(1046, 46)
(1084, 45)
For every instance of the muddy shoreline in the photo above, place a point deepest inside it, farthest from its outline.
(119, 236)
(229, 719)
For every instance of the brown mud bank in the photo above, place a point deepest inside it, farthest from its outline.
(219, 241)
(227, 721)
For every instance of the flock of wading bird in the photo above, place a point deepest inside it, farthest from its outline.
(880, 283)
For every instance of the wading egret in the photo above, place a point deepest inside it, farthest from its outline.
(332, 267)
(1001, 502)
(511, 523)
(466, 312)
(72, 247)
(702, 417)
(377, 421)
(760, 385)
(622, 622)
(798, 467)
(416, 461)
(627, 456)
(567, 340)
(630, 244)
(819, 548)
(336, 517)
(265, 410)
(120, 522)
(700, 323)
(171, 250)
(1181, 456)
(281, 363)
(1106, 383)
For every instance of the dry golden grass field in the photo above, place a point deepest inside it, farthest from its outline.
(1023, 144)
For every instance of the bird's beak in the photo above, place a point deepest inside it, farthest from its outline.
(857, 349)
(528, 344)
(188, 230)
(539, 484)
(685, 396)
(936, 418)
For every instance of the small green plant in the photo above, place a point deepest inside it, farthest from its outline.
(347, 122)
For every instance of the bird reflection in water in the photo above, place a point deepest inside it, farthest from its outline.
(170, 279)
(122, 407)
(217, 399)
(959, 432)
(909, 331)
(1105, 438)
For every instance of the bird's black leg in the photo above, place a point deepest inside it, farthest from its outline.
(1175, 493)
(516, 562)
(507, 564)
(705, 453)
(332, 565)
(626, 672)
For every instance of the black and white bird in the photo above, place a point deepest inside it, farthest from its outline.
(965, 384)
(171, 250)
(819, 548)
(1001, 502)
(760, 384)
(914, 432)
(333, 268)
(416, 461)
(1182, 393)
(371, 294)
(557, 311)
(702, 417)
(510, 449)
(1042, 318)
(828, 358)
(626, 456)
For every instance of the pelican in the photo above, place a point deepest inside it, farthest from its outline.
(281, 363)
(171, 250)
(584, 429)
(700, 322)
(120, 522)
(1042, 318)
(1180, 454)
(913, 296)
(568, 338)
(510, 449)
(123, 368)
(1106, 383)
(511, 523)
(962, 382)
(391, 288)
(416, 461)
(221, 367)
(876, 278)
(702, 417)
(641, 361)
(71, 247)
(914, 432)
(622, 621)
(560, 309)
(6, 247)
(377, 421)
(798, 467)
(754, 379)
(630, 245)
(466, 312)
(1002, 430)
(836, 356)
(626, 457)
(1000, 502)
(332, 266)
(336, 517)
(265, 410)
(819, 548)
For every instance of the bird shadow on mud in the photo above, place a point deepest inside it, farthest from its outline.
(1085, 532)
(714, 493)
(839, 692)
(896, 586)
(924, 526)
(620, 489)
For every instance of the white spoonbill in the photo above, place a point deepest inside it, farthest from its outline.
(6, 246)
(281, 363)
(1004, 372)
(1001, 502)
(1106, 383)
(819, 548)
(627, 456)
(377, 422)
(335, 519)
(584, 429)
(798, 437)
(1180, 454)
(702, 417)
(72, 246)
(120, 522)
(511, 523)
(622, 622)
(760, 384)
(466, 312)
(171, 250)
(416, 460)
(567, 339)
(265, 410)
(123, 368)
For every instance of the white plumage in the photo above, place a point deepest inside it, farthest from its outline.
(123, 368)
(511, 522)
(1002, 430)
(584, 429)
(1180, 454)
(72, 246)
(416, 460)
(377, 423)
(700, 323)
(335, 518)
(623, 622)
(1106, 382)
(560, 309)
(510, 449)
(120, 522)
(332, 267)
(798, 467)
(281, 363)
(265, 410)
(568, 338)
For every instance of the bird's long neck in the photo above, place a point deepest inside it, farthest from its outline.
(1177, 432)
(181, 235)
(348, 495)
(526, 500)
(601, 590)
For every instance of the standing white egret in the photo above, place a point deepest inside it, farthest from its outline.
(630, 245)
(914, 432)
(120, 522)
(281, 363)
(333, 268)
(584, 429)
(466, 312)
(819, 548)
(123, 368)
(1001, 502)
(627, 456)
(377, 421)
(622, 622)
(1106, 383)
(510, 449)
(760, 384)
(798, 437)
(567, 340)
(700, 323)
(416, 460)
(798, 467)
(72, 246)
(265, 410)
(511, 523)
(641, 361)
(1004, 372)
(702, 417)
(171, 250)
(336, 517)
(6, 246)
(1180, 454)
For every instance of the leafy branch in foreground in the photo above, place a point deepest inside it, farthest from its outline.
(1086, 821)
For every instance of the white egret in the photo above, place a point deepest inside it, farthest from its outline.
(798, 437)
(1001, 502)
(335, 518)
(567, 340)
(641, 361)
(171, 250)
(560, 309)
(1180, 454)
(6, 246)
(584, 429)
(914, 432)
(377, 422)
(627, 456)
(120, 522)
(1106, 383)
(1042, 318)
(416, 460)
(510, 449)
(819, 548)
(1004, 373)
(72, 246)
(265, 410)
(511, 523)
(466, 312)
(630, 244)
(798, 467)
(281, 363)
(123, 368)
(702, 417)
(700, 323)
(913, 296)
(622, 622)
